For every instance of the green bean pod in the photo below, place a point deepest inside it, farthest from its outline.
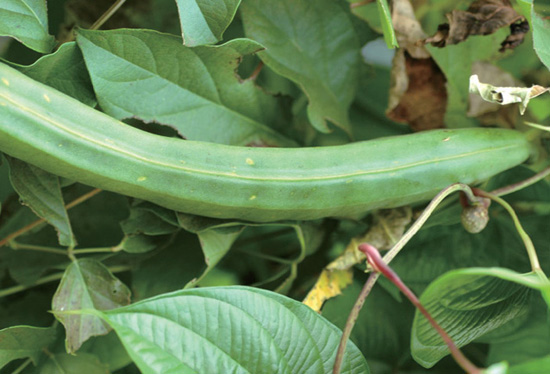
(62, 136)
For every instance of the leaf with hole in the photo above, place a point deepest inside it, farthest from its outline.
(152, 76)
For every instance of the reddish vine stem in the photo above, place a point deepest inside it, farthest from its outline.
(32, 225)
(256, 72)
(375, 260)
(352, 317)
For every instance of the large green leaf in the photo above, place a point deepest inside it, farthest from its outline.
(525, 340)
(238, 330)
(41, 191)
(314, 44)
(469, 303)
(87, 284)
(149, 75)
(65, 71)
(24, 341)
(204, 21)
(541, 36)
(26, 21)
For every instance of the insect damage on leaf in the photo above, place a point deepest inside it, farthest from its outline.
(505, 95)
(483, 17)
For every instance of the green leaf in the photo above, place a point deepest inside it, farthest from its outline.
(145, 220)
(63, 363)
(138, 243)
(203, 22)
(526, 341)
(41, 191)
(65, 71)
(313, 44)
(238, 330)
(539, 366)
(108, 349)
(215, 236)
(541, 37)
(170, 267)
(475, 48)
(386, 21)
(87, 284)
(27, 21)
(467, 304)
(24, 341)
(151, 76)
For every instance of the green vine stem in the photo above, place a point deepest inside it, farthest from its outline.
(531, 252)
(369, 284)
(522, 184)
(53, 277)
(31, 247)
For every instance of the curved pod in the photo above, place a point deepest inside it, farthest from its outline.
(59, 134)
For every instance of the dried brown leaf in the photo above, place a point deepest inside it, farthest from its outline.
(407, 29)
(483, 17)
(423, 103)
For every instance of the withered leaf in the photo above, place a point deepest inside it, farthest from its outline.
(483, 17)
(505, 95)
(423, 103)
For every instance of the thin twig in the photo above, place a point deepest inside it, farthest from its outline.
(105, 16)
(22, 367)
(30, 247)
(34, 224)
(50, 278)
(352, 318)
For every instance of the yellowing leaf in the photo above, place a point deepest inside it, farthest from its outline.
(505, 95)
(389, 226)
(329, 284)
